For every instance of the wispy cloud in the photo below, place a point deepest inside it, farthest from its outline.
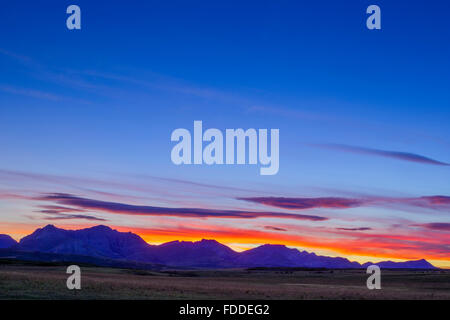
(59, 209)
(306, 203)
(55, 216)
(437, 202)
(155, 81)
(22, 59)
(66, 213)
(143, 210)
(32, 93)
(288, 113)
(355, 229)
(274, 228)
(440, 226)
(405, 156)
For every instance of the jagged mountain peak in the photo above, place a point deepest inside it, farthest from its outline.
(49, 227)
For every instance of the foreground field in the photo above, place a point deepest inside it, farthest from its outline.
(21, 281)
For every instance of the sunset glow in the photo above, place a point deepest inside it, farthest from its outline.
(362, 166)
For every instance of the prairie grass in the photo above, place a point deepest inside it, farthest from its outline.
(49, 282)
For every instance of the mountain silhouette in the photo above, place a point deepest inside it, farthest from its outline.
(99, 241)
(204, 253)
(105, 244)
(6, 241)
(415, 264)
(281, 256)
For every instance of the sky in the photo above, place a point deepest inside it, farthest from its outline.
(86, 118)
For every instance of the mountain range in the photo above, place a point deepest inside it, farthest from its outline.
(102, 245)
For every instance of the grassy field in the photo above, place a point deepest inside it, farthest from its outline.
(27, 281)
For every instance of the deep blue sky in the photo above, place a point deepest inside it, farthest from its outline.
(138, 70)
(104, 100)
